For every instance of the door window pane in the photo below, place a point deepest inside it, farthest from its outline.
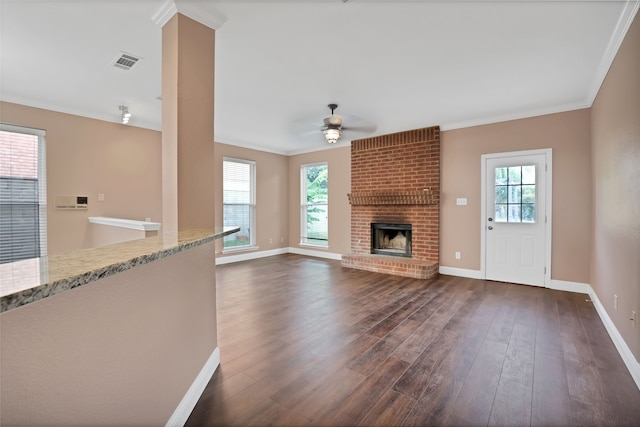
(501, 194)
(528, 194)
(529, 174)
(515, 176)
(528, 213)
(515, 213)
(515, 194)
(502, 177)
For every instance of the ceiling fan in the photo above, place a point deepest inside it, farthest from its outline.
(333, 128)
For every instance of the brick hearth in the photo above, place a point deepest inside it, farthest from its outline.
(396, 179)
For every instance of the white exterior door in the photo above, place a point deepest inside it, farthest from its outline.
(516, 220)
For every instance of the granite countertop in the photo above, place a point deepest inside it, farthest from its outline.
(27, 281)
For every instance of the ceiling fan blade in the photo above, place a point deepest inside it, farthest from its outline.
(360, 129)
(304, 127)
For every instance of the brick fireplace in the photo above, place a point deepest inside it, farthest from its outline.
(395, 179)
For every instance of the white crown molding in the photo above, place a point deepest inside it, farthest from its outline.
(113, 118)
(164, 13)
(190, 8)
(238, 143)
(527, 114)
(624, 22)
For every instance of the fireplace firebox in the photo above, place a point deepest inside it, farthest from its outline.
(391, 239)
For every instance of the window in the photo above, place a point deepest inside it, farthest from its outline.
(314, 197)
(516, 194)
(23, 194)
(239, 200)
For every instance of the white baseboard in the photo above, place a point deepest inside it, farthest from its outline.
(563, 285)
(460, 272)
(245, 256)
(319, 254)
(625, 352)
(188, 402)
(262, 254)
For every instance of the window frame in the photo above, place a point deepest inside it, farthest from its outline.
(252, 245)
(41, 204)
(511, 199)
(304, 240)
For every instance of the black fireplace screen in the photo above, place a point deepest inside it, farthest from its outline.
(391, 239)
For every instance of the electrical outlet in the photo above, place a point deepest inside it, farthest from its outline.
(270, 240)
(101, 197)
(458, 255)
(615, 302)
(281, 239)
(634, 318)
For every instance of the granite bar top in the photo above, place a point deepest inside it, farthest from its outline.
(27, 281)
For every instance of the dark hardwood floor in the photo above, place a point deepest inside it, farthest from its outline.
(304, 341)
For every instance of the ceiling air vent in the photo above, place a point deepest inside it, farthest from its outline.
(125, 61)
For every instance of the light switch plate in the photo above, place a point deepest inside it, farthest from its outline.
(461, 201)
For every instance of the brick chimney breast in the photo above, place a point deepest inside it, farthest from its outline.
(395, 179)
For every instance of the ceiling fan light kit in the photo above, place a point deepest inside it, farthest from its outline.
(333, 125)
(332, 135)
(333, 128)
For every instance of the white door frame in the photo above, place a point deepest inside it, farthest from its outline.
(548, 217)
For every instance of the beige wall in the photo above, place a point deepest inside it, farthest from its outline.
(120, 351)
(339, 161)
(272, 199)
(87, 157)
(615, 127)
(568, 136)
(278, 196)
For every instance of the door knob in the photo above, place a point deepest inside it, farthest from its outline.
(490, 228)
(490, 219)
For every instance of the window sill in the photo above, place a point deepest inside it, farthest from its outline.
(313, 245)
(239, 249)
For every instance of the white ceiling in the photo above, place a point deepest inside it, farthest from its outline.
(394, 65)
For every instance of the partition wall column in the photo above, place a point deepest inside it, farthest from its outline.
(187, 124)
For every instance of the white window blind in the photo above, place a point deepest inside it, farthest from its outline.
(23, 193)
(238, 186)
